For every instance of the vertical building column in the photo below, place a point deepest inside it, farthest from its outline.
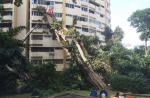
(14, 15)
(64, 14)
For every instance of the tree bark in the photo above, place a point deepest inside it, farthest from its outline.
(92, 77)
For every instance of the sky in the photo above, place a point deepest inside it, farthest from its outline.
(120, 11)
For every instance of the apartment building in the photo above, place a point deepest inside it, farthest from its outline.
(92, 17)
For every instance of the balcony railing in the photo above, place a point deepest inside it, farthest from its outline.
(8, 6)
(94, 2)
(7, 17)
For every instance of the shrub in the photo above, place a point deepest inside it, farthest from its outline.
(128, 84)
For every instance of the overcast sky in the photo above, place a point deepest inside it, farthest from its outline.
(120, 11)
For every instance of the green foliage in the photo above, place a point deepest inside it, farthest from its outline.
(128, 84)
(56, 25)
(131, 69)
(47, 93)
(139, 50)
(44, 76)
(74, 77)
(90, 44)
(117, 35)
(72, 32)
(18, 3)
(108, 33)
(13, 65)
(140, 20)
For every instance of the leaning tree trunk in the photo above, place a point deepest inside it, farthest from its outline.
(92, 76)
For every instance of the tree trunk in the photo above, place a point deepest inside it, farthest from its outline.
(146, 49)
(92, 76)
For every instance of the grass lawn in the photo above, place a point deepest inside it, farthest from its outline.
(18, 96)
(77, 92)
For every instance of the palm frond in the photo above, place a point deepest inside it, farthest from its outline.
(41, 9)
(15, 31)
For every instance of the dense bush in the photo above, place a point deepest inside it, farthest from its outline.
(44, 76)
(73, 78)
(128, 84)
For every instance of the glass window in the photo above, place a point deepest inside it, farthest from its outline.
(69, 5)
(85, 29)
(58, 14)
(42, 49)
(50, 2)
(84, 9)
(37, 37)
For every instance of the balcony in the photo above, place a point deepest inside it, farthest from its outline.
(8, 6)
(44, 55)
(34, 6)
(94, 2)
(7, 17)
(6, 1)
(38, 30)
(5, 29)
(36, 18)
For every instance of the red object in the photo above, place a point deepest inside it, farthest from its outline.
(49, 11)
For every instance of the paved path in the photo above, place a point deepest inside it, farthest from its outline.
(71, 96)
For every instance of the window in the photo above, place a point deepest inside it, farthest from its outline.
(9, 25)
(43, 26)
(36, 62)
(50, 2)
(85, 0)
(35, 13)
(36, 44)
(58, 2)
(34, 1)
(78, 27)
(37, 37)
(91, 11)
(58, 48)
(84, 9)
(58, 61)
(77, 6)
(101, 15)
(37, 2)
(102, 6)
(6, 1)
(68, 26)
(92, 31)
(42, 49)
(69, 15)
(85, 29)
(6, 13)
(58, 14)
(83, 19)
(48, 36)
(69, 5)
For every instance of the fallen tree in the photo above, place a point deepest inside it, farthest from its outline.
(60, 33)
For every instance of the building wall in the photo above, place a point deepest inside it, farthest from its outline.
(92, 17)
(8, 16)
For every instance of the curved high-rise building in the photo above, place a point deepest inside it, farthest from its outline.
(92, 17)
